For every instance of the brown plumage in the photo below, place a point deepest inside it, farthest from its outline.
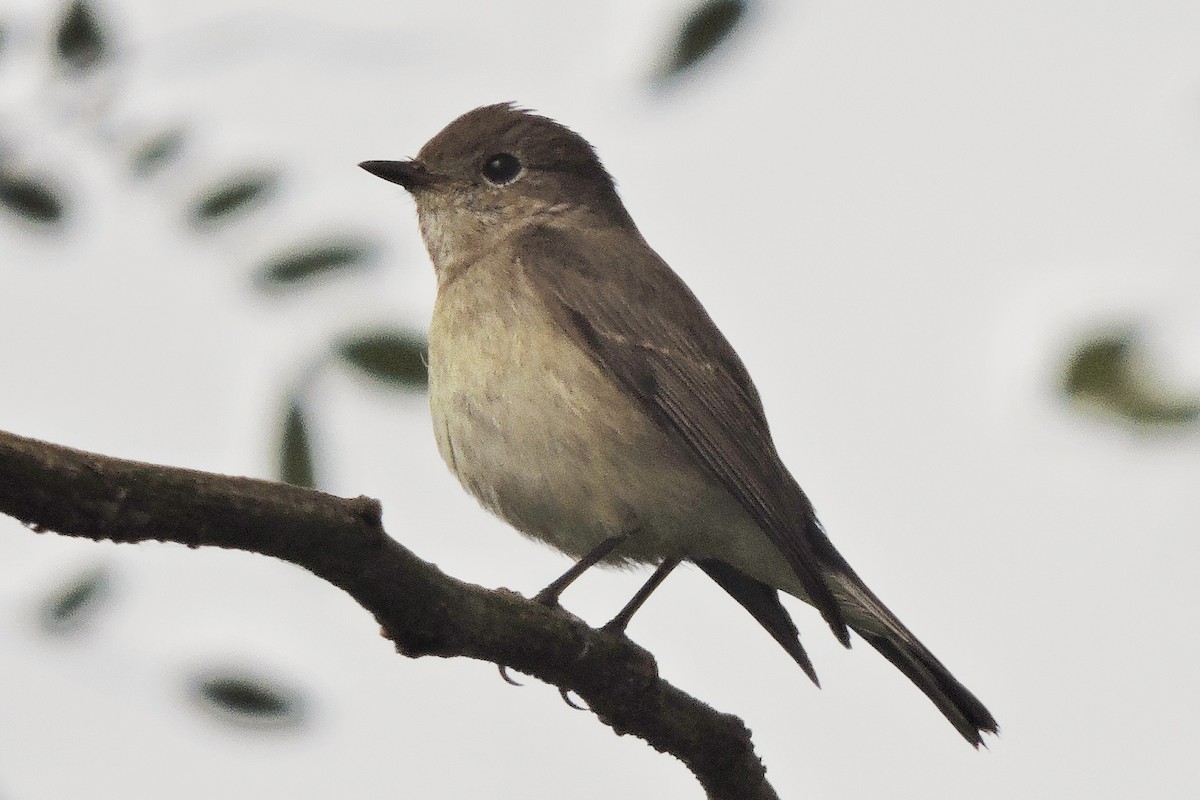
(580, 391)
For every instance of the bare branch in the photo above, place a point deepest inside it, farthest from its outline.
(421, 609)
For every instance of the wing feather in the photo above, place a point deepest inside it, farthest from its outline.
(637, 319)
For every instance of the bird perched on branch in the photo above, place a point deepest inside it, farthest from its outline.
(581, 392)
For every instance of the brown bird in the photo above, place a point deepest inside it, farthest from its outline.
(581, 392)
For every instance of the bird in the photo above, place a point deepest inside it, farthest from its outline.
(579, 390)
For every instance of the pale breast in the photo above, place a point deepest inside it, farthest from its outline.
(541, 437)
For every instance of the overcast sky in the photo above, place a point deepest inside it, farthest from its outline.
(905, 216)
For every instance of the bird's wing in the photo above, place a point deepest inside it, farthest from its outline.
(636, 318)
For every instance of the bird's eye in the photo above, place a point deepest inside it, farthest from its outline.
(501, 169)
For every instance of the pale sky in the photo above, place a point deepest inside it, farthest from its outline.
(904, 216)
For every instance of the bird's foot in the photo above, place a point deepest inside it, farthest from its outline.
(509, 679)
(565, 694)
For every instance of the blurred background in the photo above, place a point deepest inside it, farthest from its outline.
(956, 244)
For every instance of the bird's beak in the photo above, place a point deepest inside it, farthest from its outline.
(412, 175)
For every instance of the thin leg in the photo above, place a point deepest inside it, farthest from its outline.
(549, 595)
(618, 623)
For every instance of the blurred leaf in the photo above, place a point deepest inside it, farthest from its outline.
(67, 608)
(392, 357)
(1110, 371)
(30, 198)
(250, 699)
(154, 153)
(710, 23)
(312, 261)
(1099, 367)
(295, 449)
(1147, 410)
(233, 194)
(80, 43)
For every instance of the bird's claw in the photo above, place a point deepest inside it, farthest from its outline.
(510, 680)
(566, 697)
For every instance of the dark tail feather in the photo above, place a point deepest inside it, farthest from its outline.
(963, 709)
(872, 620)
(762, 601)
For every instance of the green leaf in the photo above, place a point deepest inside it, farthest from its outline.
(305, 264)
(242, 697)
(1111, 371)
(80, 43)
(234, 194)
(706, 28)
(1100, 366)
(1148, 410)
(295, 449)
(30, 198)
(394, 357)
(67, 608)
(154, 153)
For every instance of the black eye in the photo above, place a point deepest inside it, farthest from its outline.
(502, 168)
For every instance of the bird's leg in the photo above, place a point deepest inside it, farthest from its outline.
(549, 595)
(617, 624)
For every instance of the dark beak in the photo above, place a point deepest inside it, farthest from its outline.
(412, 175)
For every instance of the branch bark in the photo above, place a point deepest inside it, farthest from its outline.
(421, 609)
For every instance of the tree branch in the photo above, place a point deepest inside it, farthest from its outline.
(421, 609)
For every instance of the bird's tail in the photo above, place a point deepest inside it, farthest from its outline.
(872, 620)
